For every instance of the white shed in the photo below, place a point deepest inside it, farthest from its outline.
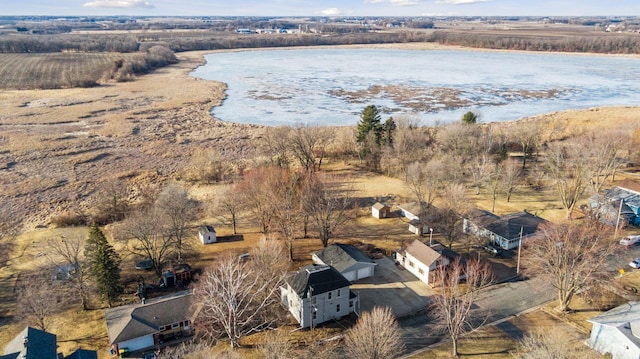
(207, 234)
(380, 210)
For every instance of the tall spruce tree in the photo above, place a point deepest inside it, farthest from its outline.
(369, 121)
(104, 264)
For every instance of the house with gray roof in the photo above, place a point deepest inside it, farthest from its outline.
(351, 262)
(617, 332)
(504, 231)
(150, 324)
(33, 343)
(315, 294)
(621, 201)
(422, 260)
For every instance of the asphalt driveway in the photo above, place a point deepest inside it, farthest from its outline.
(393, 287)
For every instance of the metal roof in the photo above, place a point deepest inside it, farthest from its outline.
(319, 278)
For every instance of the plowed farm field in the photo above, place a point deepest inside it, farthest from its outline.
(53, 70)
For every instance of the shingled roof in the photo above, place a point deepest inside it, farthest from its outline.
(342, 256)
(422, 252)
(31, 343)
(319, 277)
(137, 320)
(509, 226)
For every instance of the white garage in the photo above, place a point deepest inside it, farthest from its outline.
(351, 262)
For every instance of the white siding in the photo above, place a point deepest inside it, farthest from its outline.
(326, 308)
(208, 238)
(607, 339)
(351, 275)
(365, 272)
(137, 343)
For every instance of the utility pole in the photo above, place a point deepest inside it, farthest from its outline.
(519, 249)
(615, 233)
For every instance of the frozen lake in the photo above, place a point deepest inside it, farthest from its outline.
(332, 86)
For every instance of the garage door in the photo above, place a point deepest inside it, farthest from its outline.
(364, 272)
(351, 275)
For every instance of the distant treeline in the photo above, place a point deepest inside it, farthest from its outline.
(628, 43)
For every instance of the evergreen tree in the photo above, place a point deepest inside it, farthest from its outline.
(104, 264)
(469, 118)
(369, 121)
(387, 128)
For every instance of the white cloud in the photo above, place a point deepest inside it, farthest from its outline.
(334, 11)
(119, 4)
(395, 2)
(460, 2)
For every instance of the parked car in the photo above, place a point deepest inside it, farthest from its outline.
(635, 263)
(630, 240)
(492, 249)
(145, 264)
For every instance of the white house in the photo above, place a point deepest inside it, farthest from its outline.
(379, 210)
(315, 294)
(617, 332)
(149, 324)
(421, 260)
(207, 234)
(33, 343)
(351, 262)
(413, 212)
(505, 231)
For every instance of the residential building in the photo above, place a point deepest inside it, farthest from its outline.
(619, 205)
(33, 343)
(351, 262)
(315, 294)
(617, 332)
(422, 260)
(150, 324)
(504, 231)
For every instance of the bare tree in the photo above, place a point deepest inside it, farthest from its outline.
(255, 193)
(38, 300)
(566, 166)
(309, 145)
(376, 335)
(494, 178)
(327, 202)
(276, 345)
(190, 349)
(276, 145)
(111, 202)
(570, 256)
(177, 209)
(527, 134)
(209, 166)
(410, 144)
(510, 177)
(452, 305)
(447, 218)
(233, 296)
(426, 181)
(553, 343)
(601, 153)
(230, 201)
(147, 236)
(68, 251)
(479, 168)
(286, 189)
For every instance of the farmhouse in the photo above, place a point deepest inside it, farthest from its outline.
(153, 323)
(505, 231)
(207, 234)
(621, 201)
(351, 262)
(617, 332)
(421, 260)
(33, 343)
(315, 294)
(379, 210)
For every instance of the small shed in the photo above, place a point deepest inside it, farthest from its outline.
(380, 210)
(207, 234)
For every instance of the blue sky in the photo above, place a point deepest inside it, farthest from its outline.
(321, 7)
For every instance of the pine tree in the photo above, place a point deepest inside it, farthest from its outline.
(104, 264)
(369, 121)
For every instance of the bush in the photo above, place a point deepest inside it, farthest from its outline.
(69, 219)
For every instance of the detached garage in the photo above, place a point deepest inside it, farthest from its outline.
(351, 262)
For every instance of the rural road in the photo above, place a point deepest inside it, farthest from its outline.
(495, 303)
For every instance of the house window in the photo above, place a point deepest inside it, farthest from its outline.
(314, 314)
(411, 264)
(338, 295)
(329, 295)
(174, 325)
(421, 271)
(338, 308)
(350, 304)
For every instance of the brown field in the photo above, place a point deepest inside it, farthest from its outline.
(57, 146)
(54, 70)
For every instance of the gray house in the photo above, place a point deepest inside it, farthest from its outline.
(505, 231)
(156, 322)
(351, 262)
(315, 294)
(33, 343)
(620, 201)
(617, 332)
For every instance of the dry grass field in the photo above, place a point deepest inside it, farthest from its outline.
(53, 70)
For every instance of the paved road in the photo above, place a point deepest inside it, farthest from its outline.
(497, 302)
